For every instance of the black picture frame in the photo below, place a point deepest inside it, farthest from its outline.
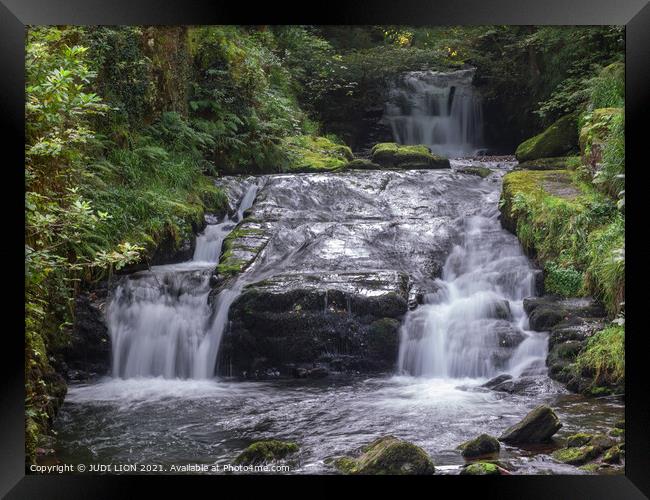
(15, 15)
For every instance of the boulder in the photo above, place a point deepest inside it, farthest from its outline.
(576, 455)
(266, 451)
(493, 382)
(481, 445)
(577, 440)
(520, 385)
(481, 469)
(392, 155)
(613, 455)
(387, 456)
(308, 153)
(557, 140)
(536, 427)
(340, 322)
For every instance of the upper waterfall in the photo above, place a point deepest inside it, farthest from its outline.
(440, 110)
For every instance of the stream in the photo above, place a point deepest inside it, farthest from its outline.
(169, 402)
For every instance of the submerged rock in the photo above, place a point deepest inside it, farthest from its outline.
(266, 451)
(536, 427)
(481, 445)
(387, 456)
(490, 384)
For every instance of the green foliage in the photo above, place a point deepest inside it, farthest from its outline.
(576, 232)
(565, 281)
(604, 356)
(611, 175)
(244, 96)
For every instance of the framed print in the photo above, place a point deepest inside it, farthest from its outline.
(385, 240)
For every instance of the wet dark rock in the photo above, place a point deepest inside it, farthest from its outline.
(536, 427)
(387, 456)
(548, 311)
(88, 351)
(481, 445)
(497, 380)
(519, 385)
(347, 321)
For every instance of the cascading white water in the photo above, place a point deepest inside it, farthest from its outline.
(439, 110)
(474, 324)
(160, 321)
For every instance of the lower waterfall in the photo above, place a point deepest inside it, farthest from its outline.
(473, 325)
(160, 321)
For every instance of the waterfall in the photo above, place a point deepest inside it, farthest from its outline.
(439, 110)
(160, 321)
(473, 323)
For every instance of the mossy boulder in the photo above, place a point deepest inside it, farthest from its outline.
(557, 140)
(613, 455)
(577, 440)
(576, 455)
(536, 427)
(481, 445)
(555, 163)
(308, 153)
(481, 469)
(392, 155)
(387, 456)
(266, 451)
(479, 171)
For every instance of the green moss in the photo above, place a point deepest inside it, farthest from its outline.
(603, 359)
(480, 469)
(308, 153)
(617, 433)
(590, 467)
(388, 456)
(576, 456)
(266, 451)
(558, 139)
(392, 155)
(577, 440)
